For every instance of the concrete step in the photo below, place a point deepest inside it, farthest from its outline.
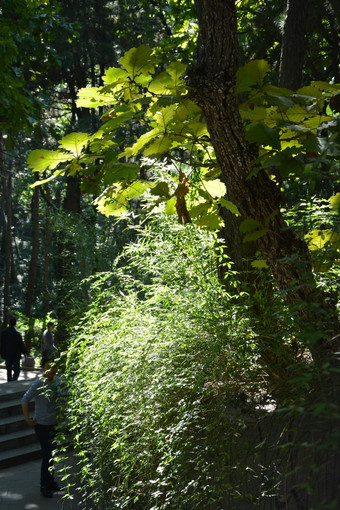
(11, 424)
(14, 390)
(12, 408)
(20, 455)
(17, 439)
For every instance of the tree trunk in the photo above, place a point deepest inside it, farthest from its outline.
(47, 250)
(32, 272)
(212, 82)
(293, 44)
(6, 191)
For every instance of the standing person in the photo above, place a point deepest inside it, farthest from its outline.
(12, 346)
(49, 349)
(45, 390)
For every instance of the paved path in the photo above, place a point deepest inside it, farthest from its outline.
(19, 485)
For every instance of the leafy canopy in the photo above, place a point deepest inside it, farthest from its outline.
(148, 112)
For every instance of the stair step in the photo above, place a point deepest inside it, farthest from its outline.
(14, 390)
(12, 408)
(12, 424)
(17, 456)
(17, 439)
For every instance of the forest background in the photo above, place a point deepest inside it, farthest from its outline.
(170, 197)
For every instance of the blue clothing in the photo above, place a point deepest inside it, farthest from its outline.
(45, 393)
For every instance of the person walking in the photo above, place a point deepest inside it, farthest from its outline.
(45, 390)
(12, 346)
(49, 349)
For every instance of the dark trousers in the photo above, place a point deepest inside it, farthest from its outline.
(12, 365)
(46, 434)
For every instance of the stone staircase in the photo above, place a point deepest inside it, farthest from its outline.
(18, 442)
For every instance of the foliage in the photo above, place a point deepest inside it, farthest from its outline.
(164, 342)
(28, 32)
(289, 129)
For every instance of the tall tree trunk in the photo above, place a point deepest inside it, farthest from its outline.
(293, 44)
(47, 250)
(212, 82)
(6, 191)
(32, 272)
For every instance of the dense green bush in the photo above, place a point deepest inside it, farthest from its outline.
(174, 377)
(161, 367)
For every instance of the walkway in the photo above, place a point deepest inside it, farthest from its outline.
(19, 485)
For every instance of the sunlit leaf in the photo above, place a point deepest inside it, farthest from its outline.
(138, 60)
(335, 202)
(40, 160)
(74, 142)
(170, 207)
(215, 188)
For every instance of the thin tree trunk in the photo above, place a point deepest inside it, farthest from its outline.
(32, 273)
(6, 190)
(47, 250)
(293, 44)
(212, 82)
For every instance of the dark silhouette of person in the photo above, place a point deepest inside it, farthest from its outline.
(12, 347)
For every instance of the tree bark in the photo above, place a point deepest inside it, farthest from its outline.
(212, 83)
(6, 191)
(293, 44)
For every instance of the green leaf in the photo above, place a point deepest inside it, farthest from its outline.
(41, 160)
(74, 142)
(253, 236)
(138, 61)
(116, 122)
(249, 224)
(187, 108)
(259, 264)
(251, 74)
(335, 202)
(318, 239)
(165, 116)
(159, 146)
(176, 70)
(116, 172)
(161, 84)
(230, 206)
(215, 188)
(161, 190)
(90, 97)
(114, 75)
(170, 207)
(261, 134)
(114, 201)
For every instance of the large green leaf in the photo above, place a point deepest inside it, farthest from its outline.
(335, 202)
(251, 74)
(90, 97)
(138, 61)
(176, 70)
(116, 172)
(230, 206)
(114, 201)
(215, 188)
(187, 108)
(40, 160)
(160, 145)
(114, 75)
(262, 134)
(74, 142)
